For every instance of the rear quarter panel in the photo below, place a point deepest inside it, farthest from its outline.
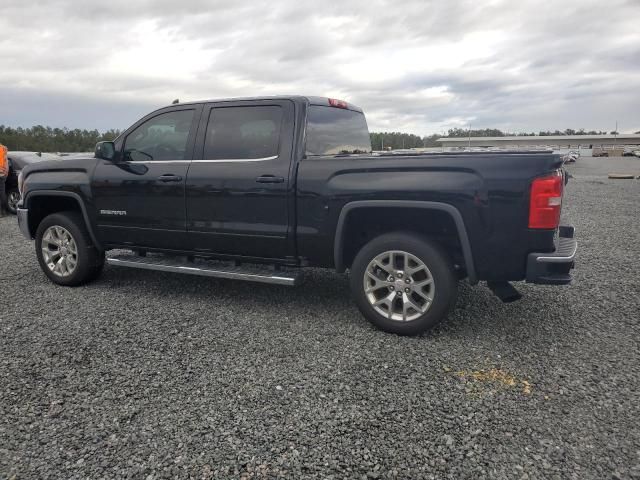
(490, 191)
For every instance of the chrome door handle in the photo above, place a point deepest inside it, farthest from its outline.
(170, 178)
(269, 179)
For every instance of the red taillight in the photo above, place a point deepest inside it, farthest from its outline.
(546, 201)
(337, 103)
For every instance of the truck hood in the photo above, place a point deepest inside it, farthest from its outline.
(70, 163)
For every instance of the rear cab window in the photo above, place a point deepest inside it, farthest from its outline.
(243, 133)
(336, 131)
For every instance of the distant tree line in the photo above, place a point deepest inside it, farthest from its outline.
(47, 139)
(395, 140)
(493, 132)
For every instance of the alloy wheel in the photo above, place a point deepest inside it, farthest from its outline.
(399, 286)
(59, 251)
(13, 198)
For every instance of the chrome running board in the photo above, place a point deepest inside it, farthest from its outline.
(209, 268)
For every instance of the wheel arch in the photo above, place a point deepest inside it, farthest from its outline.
(38, 212)
(445, 208)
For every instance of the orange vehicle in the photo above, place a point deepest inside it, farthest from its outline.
(4, 162)
(4, 173)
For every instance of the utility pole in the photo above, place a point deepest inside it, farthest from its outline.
(469, 132)
(615, 136)
(382, 140)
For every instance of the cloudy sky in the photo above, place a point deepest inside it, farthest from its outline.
(418, 66)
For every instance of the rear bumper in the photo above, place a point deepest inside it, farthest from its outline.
(554, 268)
(23, 222)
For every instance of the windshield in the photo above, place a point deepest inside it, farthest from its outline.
(335, 131)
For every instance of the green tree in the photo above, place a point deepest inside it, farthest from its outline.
(485, 132)
(394, 140)
(431, 140)
(47, 139)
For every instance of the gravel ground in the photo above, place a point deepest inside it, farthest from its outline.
(150, 375)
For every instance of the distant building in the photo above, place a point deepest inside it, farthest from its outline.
(551, 141)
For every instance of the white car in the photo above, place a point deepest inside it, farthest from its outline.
(571, 156)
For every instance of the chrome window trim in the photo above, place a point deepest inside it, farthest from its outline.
(263, 159)
(139, 162)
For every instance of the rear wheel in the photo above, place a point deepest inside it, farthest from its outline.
(64, 250)
(403, 284)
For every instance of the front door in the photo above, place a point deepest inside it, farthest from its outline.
(140, 197)
(238, 185)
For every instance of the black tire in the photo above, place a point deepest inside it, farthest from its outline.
(432, 256)
(97, 269)
(12, 207)
(89, 261)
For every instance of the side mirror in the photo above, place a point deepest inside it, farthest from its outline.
(105, 150)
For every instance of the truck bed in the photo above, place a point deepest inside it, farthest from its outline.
(490, 190)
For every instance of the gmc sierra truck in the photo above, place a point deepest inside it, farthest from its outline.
(260, 188)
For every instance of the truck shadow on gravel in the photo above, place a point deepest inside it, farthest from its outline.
(324, 296)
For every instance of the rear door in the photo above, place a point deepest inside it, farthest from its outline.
(238, 184)
(140, 197)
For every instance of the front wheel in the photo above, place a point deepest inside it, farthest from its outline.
(64, 250)
(403, 284)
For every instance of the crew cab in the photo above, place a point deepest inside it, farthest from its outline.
(262, 188)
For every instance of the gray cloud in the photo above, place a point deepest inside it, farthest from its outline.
(23, 107)
(418, 66)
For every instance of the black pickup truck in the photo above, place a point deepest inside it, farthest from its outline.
(258, 188)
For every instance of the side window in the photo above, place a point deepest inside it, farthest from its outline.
(163, 137)
(243, 133)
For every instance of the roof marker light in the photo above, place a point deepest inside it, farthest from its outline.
(337, 103)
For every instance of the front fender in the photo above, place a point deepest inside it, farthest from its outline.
(28, 201)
